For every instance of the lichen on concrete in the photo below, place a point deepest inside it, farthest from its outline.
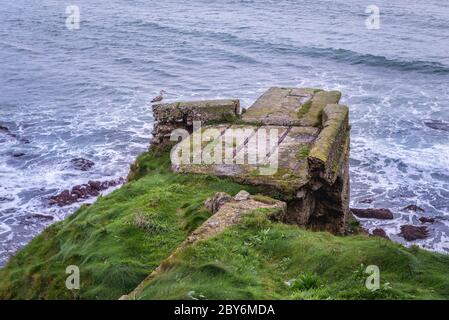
(205, 110)
(290, 106)
(181, 115)
(326, 153)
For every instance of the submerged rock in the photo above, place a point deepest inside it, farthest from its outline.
(18, 154)
(426, 220)
(437, 125)
(8, 132)
(5, 199)
(82, 164)
(413, 207)
(83, 191)
(384, 214)
(39, 216)
(411, 233)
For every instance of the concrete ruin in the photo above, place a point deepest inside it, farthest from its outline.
(302, 141)
(172, 116)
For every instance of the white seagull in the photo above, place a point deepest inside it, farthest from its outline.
(159, 97)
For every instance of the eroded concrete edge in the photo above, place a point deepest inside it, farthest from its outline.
(326, 154)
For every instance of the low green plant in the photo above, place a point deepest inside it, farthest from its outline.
(306, 281)
(256, 258)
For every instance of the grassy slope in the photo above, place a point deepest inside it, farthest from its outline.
(255, 259)
(117, 241)
(120, 239)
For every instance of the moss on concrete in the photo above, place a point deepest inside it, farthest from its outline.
(313, 116)
(330, 143)
(304, 109)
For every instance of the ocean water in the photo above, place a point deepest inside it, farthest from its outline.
(85, 93)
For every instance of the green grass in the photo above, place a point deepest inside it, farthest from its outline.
(124, 236)
(117, 241)
(259, 259)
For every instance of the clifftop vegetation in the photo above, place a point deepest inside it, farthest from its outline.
(124, 236)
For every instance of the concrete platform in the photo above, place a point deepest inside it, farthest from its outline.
(292, 142)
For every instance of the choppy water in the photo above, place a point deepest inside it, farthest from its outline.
(85, 93)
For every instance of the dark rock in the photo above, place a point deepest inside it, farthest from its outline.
(384, 214)
(8, 132)
(82, 164)
(92, 192)
(413, 207)
(41, 217)
(426, 220)
(62, 199)
(379, 232)
(411, 233)
(18, 154)
(96, 185)
(5, 199)
(437, 125)
(216, 201)
(367, 201)
(111, 183)
(83, 191)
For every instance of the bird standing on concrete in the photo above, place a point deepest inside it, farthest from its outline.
(159, 97)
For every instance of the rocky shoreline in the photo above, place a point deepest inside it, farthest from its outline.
(83, 191)
(407, 231)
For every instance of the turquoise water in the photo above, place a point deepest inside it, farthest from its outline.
(85, 93)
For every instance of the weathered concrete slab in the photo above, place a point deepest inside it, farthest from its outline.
(205, 111)
(181, 115)
(290, 106)
(273, 156)
(293, 142)
(327, 152)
